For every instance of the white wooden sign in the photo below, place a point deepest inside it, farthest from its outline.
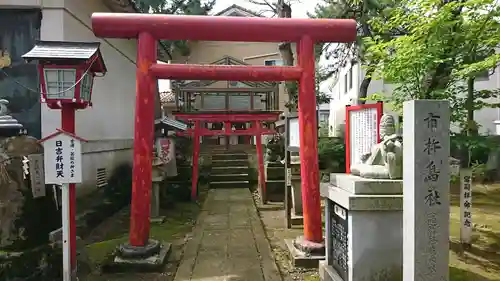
(37, 175)
(294, 132)
(362, 132)
(165, 149)
(63, 159)
(466, 206)
(166, 152)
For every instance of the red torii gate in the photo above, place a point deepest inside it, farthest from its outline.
(255, 117)
(150, 28)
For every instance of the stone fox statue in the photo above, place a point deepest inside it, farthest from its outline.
(385, 161)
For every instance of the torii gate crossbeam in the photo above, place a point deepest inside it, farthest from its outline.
(151, 28)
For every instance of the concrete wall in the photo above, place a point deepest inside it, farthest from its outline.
(108, 125)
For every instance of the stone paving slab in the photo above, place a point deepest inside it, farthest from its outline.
(228, 242)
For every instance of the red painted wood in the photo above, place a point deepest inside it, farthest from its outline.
(379, 106)
(225, 72)
(68, 125)
(241, 29)
(347, 140)
(196, 155)
(260, 157)
(309, 169)
(143, 141)
(228, 116)
(243, 132)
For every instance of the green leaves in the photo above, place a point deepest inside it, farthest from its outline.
(440, 47)
(175, 7)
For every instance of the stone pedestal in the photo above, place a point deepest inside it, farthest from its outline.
(151, 257)
(158, 177)
(364, 229)
(275, 181)
(296, 216)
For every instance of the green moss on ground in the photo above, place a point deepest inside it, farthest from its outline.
(179, 221)
(482, 261)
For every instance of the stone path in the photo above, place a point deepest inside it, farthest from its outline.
(228, 243)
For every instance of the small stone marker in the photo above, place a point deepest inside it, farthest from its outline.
(465, 206)
(426, 175)
(37, 175)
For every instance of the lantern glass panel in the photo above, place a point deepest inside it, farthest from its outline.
(86, 87)
(60, 83)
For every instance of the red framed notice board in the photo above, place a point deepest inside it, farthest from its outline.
(362, 124)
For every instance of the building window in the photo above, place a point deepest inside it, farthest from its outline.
(86, 86)
(350, 78)
(346, 83)
(273, 62)
(62, 83)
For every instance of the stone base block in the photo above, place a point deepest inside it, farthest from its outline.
(296, 220)
(140, 264)
(301, 259)
(327, 273)
(157, 220)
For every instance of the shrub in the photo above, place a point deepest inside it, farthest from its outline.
(119, 188)
(331, 154)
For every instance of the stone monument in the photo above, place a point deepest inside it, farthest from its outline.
(296, 181)
(363, 215)
(157, 178)
(275, 168)
(426, 131)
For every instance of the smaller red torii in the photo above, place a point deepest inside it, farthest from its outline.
(254, 117)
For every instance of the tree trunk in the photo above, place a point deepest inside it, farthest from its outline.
(285, 11)
(471, 128)
(363, 88)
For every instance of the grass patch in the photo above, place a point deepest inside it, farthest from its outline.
(179, 221)
(313, 277)
(482, 261)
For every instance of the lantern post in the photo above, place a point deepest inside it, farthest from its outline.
(67, 71)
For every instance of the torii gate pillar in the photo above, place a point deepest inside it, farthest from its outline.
(150, 28)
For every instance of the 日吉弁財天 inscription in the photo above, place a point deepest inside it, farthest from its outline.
(62, 159)
(59, 150)
(339, 247)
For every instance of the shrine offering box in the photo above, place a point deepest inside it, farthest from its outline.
(363, 229)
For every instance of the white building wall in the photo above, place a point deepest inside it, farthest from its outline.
(109, 124)
(341, 98)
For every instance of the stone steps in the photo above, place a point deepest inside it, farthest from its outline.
(230, 169)
(229, 156)
(230, 163)
(229, 184)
